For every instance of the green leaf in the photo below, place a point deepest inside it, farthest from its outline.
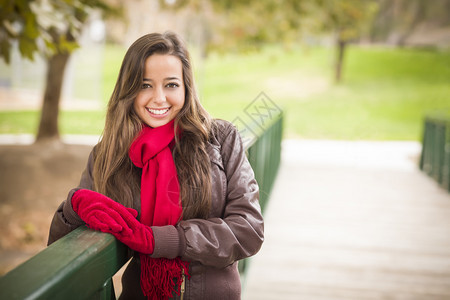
(5, 47)
(66, 46)
(27, 47)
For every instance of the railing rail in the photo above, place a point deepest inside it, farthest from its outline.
(81, 264)
(78, 266)
(264, 155)
(435, 155)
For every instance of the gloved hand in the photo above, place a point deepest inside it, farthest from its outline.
(104, 214)
(100, 212)
(141, 239)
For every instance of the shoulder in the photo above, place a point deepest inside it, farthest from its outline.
(226, 139)
(221, 130)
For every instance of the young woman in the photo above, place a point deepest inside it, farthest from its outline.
(172, 184)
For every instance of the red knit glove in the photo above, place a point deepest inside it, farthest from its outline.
(141, 239)
(102, 213)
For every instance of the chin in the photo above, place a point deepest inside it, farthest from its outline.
(157, 123)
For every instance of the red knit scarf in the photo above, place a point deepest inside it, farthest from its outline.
(160, 205)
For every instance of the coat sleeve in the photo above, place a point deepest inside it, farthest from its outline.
(219, 242)
(65, 218)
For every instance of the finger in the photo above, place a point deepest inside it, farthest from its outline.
(129, 216)
(119, 217)
(118, 221)
(96, 224)
(106, 218)
(116, 218)
(133, 212)
(101, 217)
(121, 214)
(126, 217)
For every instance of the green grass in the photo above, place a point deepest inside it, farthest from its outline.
(71, 122)
(112, 60)
(384, 95)
(18, 121)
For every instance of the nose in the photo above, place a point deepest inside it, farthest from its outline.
(159, 95)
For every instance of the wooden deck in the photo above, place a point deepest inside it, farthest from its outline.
(353, 220)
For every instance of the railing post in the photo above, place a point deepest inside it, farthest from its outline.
(107, 291)
(446, 166)
(435, 156)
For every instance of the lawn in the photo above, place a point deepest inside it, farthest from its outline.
(384, 95)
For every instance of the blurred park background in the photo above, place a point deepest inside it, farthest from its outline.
(394, 67)
(347, 70)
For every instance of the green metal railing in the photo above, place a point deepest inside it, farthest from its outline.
(81, 264)
(264, 155)
(435, 156)
(78, 266)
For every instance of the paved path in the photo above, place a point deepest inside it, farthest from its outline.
(353, 220)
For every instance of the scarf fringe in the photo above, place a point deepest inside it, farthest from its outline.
(160, 277)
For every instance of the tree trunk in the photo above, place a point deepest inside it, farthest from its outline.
(48, 126)
(341, 46)
(419, 16)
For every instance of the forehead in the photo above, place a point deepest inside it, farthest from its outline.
(161, 65)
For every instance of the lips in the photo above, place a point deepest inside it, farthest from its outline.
(159, 111)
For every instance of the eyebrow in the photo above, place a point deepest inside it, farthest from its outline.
(165, 79)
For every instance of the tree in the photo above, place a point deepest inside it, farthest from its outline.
(243, 25)
(252, 23)
(49, 28)
(397, 20)
(346, 19)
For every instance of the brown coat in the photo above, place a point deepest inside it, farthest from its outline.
(233, 231)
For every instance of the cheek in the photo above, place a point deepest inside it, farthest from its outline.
(136, 105)
(139, 101)
(176, 99)
(139, 107)
(181, 99)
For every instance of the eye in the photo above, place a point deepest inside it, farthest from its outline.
(172, 85)
(146, 86)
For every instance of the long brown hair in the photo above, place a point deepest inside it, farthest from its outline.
(114, 174)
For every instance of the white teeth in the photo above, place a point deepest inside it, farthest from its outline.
(158, 111)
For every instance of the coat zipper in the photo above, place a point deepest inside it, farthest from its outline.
(183, 284)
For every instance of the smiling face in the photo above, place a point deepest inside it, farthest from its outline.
(162, 92)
